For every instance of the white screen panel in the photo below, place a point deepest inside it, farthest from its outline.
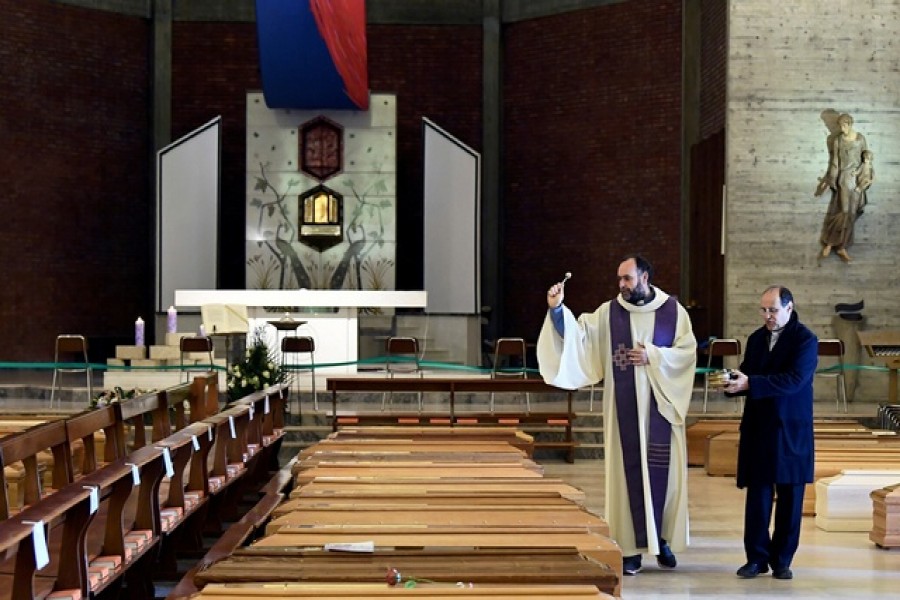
(452, 225)
(187, 213)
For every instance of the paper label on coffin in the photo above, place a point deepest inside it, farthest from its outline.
(364, 547)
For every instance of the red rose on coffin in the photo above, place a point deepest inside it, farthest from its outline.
(393, 577)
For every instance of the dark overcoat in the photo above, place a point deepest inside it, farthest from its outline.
(777, 426)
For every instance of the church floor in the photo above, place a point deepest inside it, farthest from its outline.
(827, 564)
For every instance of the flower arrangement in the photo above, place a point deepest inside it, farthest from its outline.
(256, 371)
(117, 394)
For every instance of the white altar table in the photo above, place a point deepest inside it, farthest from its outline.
(331, 316)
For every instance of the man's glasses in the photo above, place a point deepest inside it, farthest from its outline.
(763, 310)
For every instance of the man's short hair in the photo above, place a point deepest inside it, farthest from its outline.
(784, 295)
(643, 265)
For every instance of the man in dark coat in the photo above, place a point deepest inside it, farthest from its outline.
(776, 455)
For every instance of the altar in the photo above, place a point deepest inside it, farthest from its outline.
(330, 317)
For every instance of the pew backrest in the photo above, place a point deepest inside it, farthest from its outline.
(24, 447)
(87, 426)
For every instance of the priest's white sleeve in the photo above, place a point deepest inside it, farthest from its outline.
(571, 361)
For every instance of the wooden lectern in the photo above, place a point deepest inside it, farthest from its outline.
(884, 346)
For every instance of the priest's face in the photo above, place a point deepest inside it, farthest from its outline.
(774, 314)
(633, 284)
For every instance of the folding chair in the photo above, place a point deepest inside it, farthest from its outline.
(300, 344)
(834, 349)
(190, 345)
(403, 358)
(718, 347)
(71, 349)
(509, 361)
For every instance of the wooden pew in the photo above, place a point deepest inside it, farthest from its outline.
(78, 539)
(226, 464)
(124, 513)
(273, 425)
(126, 525)
(68, 512)
(133, 414)
(255, 453)
(90, 428)
(24, 447)
(236, 535)
(204, 396)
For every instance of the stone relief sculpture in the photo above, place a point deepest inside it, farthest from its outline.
(849, 175)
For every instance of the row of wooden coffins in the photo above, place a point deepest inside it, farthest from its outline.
(432, 512)
(857, 472)
(103, 502)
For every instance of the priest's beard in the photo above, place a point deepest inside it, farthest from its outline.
(641, 294)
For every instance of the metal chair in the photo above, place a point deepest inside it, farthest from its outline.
(834, 349)
(71, 349)
(402, 357)
(300, 344)
(509, 361)
(189, 345)
(718, 347)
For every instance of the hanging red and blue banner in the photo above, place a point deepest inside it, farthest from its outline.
(313, 54)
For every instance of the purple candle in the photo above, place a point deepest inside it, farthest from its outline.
(139, 332)
(171, 320)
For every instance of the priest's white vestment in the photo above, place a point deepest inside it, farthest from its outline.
(581, 358)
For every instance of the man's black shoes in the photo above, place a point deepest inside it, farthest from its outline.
(782, 573)
(751, 570)
(631, 565)
(665, 558)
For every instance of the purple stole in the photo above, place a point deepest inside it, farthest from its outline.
(660, 434)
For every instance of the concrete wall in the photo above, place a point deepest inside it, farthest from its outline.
(787, 63)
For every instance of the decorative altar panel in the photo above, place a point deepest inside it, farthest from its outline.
(351, 154)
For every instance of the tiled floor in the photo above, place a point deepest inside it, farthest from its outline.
(827, 565)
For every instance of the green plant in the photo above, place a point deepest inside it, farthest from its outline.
(258, 369)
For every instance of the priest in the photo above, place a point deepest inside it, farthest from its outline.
(642, 346)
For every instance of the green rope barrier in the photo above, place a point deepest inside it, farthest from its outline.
(379, 360)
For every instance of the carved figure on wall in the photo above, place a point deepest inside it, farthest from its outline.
(849, 175)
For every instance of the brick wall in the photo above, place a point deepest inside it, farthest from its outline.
(436, 73)
(592, 121)
(213, 67)
(75, 203)
(713, 58)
